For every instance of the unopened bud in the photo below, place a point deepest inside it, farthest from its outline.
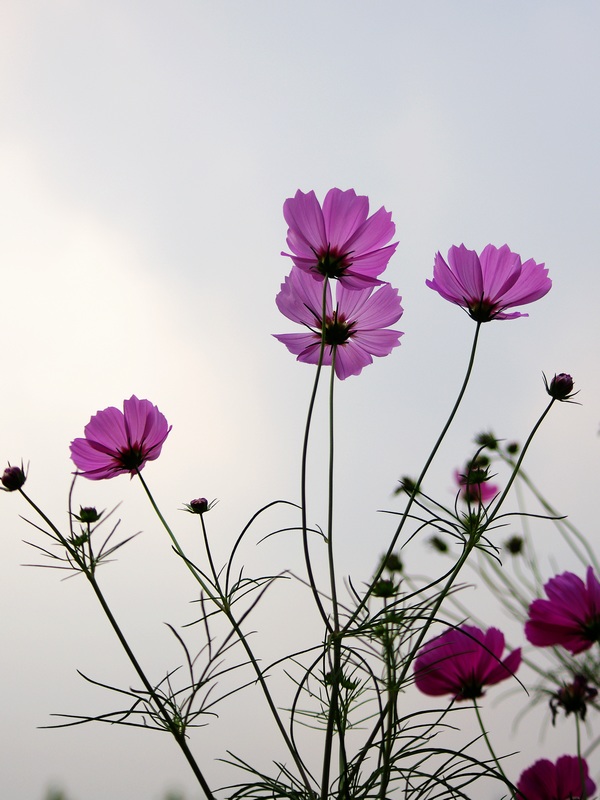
(13, 478)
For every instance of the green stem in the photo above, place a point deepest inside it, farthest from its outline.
(489, 744)
(420, 479)
(517, 466)
(303, 490)
(224, 605)
(176, 546)
(335, 719)
(178, 735)
(469, 545)
(389, 724)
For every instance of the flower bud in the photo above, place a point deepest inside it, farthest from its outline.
(487, 439)
(384, 588)
(393, 563)
(514, 545)
(88, 514)
(13, 478)
(438, 544)
(560, 387)
(405, 484)
(199, 506)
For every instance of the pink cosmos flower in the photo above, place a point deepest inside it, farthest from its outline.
(488, 284)
(561, 781)
(462, 661)
(570, 616)
(355, 328)
(339, 240)
(472, 491)
(118, 442)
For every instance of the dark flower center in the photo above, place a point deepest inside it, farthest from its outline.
(132, 457)
(591, 629)
(471, 689)
(332, 264)
(482, 310)
(337, 330)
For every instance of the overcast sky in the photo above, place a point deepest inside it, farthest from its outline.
(146, 149)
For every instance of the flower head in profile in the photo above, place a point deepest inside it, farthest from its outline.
(355, 328)
(570, 616)
(118, 442)
(545, 780)
(462, 661)
(488, 284)
(339, 240)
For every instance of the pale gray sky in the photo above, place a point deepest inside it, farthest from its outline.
(146, 149)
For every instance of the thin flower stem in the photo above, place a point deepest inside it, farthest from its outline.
(224, 605)
(334, 718)
(303, 492)
(420, 479)
(178, 734)
(46, 519)
(390, 719)
(215, 576)
(270, 702)
(489, 744)
(336, 616)
(469, 545)
(517, 466)
(177, 547)
(579, 757)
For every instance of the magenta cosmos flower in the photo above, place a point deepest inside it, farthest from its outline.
(356, 328)
(118, 442)
(339, 240)
(561, 781)
(462, 661)
(570, 616)
(488, 284)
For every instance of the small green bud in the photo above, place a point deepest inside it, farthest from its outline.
(88, 514)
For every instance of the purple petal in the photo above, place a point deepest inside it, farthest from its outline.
(344, 213)
(306, 233)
